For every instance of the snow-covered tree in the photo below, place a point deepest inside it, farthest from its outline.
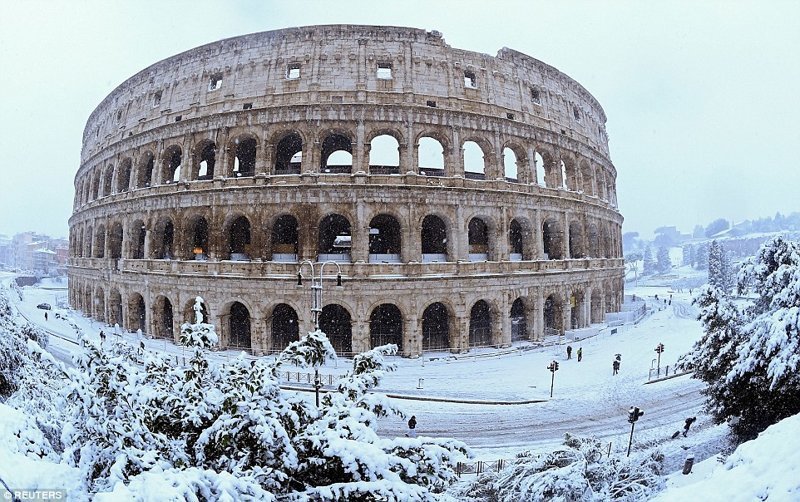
(198, 334)
(715, 264)
(688, 255)
(577, 472)
(663, 262)
(750, 356)
(649, 265)
(701, 257)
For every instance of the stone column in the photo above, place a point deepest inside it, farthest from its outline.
(460, 237)
(257, 335)
(266, 161)
(360, 151)
(504, 305)
(360, 332)
(565, 250)
(412, 337)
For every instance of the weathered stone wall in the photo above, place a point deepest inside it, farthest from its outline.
(141, 184)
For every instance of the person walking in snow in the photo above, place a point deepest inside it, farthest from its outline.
(615, 366)
(412, 427)
(580, 353)
(102, 337)
(569, 351)
(688, 423)
(45, 316)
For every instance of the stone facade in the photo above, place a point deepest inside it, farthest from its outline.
(489, 217)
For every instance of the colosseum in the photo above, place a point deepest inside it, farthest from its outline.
(447, 199)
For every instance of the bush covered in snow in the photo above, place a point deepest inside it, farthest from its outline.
(198, 334)
(750, 355)
(187, 424)
(577, 472)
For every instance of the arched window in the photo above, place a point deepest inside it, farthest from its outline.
(163, 240)
(137, 240)
(107, 181)
(115, 241)
(337, 154)
(137, 313)
(431, 157)
(100, 242)
(386, 326)
(435, 328)
(239, 327)
(587, 173)
(163, 317)
(478, 237)
(335, 322)
(553, 316)
(334, 239)
(284, 239)
(115, 308)
(594, 241)
(145, 171)
(206, 155)
(384, 155)
(99, 307)
(384, 239)
(474, 166)
(510, 168)
(244, 161)
(239, 239)
(551, 240)
(198, 238)
(576, 248)
(515, 240)
(124, 176)
(289, 154)
(519, 326)
(285, 327)
(171, 167)
(434, 239)
(480, 325)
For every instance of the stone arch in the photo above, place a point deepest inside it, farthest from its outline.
(337, 153)
(197, 237)
(288, 153)
(597, 314)
(189, 314)
(571, 176)
(115, 308)
(434, 238)
(115, 239)
(552, 239)
(430, 155)
(163, 239)
(205, 160)
(88, 242)
(108, 177)
(238, 238)
(553, 315)
(385, 239)
(474, 158)
(384, 151)
(336, 322)
(171, 164)
(144, 172)
(244, 149)
(237, 326)
(577, 303)
(124, 175)
(519, 322)
(138, 235)
(551, 170)
(478, 239)
(593, 240)
(436, 321)
(511, 165)
(137, 313)
(480, 324)
(386, 326)
(96, 185)
(576, 245)
(516, 241)
(285, 238)
(284, 326)
(100, 242)
(163, 317)
(334, 238)
(99, 304)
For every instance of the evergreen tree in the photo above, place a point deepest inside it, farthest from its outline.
(750, 356)
(664, 264)
(688, 255)
(715, 265)
(649, 266)
(728, 272)
(701, 257)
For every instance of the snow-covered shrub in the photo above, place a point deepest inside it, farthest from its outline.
(233, 418)
(750, 356)
(577, 472)
(198, 334)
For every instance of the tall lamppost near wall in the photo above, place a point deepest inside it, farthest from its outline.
(316, 302)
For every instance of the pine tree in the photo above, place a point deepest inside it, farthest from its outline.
(649, 266)
(664, 264)
(701, 257)
(688, 255)
(750, 356)
(715, 265)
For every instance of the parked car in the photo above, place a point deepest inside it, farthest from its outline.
(44, 306)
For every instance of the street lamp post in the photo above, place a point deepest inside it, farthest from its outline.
(659, 350)
(316, 304)
(633, 415)
(553, 367)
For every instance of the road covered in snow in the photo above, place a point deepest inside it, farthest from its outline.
(498, 401)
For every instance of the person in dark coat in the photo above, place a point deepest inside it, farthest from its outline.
(569, 351)
(688, 423)
(412, 427)
(580, 353)
(615, 366)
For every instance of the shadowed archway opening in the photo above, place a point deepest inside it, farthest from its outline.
(386, 326)
(335, 322)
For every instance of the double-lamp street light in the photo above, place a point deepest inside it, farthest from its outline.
(316, 303)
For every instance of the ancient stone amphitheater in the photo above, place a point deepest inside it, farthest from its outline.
(465, 200)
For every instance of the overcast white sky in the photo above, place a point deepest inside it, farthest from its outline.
(702, 97)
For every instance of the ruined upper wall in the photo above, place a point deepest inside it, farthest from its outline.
(339, 63)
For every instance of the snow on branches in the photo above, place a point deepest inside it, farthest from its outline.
(198, 334)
